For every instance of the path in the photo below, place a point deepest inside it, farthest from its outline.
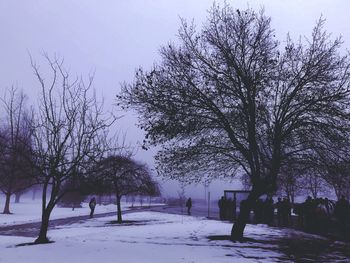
(198, 209)
(32, 229)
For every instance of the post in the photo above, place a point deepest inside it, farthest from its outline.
(208, 204)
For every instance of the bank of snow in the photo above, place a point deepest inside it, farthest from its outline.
(149, 237)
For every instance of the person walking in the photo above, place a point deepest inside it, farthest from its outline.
(189, 205)
(92, 205)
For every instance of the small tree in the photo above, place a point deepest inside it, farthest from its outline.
(74, 194)
(289, 182)
(331, 164)
(337, 175)
(314, 184)
(122, 176)
(16, 171)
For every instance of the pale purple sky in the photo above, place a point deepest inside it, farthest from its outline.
(114, 37)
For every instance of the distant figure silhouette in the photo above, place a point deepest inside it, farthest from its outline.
(189, 205)
(92, 205)
(222, 207)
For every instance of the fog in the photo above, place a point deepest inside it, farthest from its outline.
(113, 38)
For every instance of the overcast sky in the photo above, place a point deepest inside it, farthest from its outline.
(114, 37)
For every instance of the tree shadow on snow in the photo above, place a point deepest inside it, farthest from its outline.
(315, 250)
(130, 222)
(294, 247)
(33, 244)
(243, 240)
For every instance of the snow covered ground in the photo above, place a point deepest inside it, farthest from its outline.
(28, 211)
(157, 238)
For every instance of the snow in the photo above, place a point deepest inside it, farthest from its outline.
(155, 237)
(28, 211)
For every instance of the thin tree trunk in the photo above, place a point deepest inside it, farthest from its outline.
(42, 238)
(7, 204)
(45, 217)
(119, 209)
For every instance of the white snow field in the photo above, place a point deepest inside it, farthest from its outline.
(157, 238)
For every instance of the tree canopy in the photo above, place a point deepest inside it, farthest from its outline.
(121, 175)
(231, 98)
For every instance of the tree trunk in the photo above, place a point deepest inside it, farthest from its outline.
(243, 217)
(42, 238)
(119, 209)
(45, 216)
(7, 204)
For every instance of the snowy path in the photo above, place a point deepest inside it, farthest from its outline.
(32, 229)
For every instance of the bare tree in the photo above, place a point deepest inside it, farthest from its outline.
(229, 98)
(288, 184)
(314, 184)
(16, 173)
(331, 164)
(70, 130)
(122, 176)
(338, 176)
(290, 179)
(75, 193)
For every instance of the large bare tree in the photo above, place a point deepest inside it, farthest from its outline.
(229, 98)
(69, 131)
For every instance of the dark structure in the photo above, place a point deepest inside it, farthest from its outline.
(231, 203)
